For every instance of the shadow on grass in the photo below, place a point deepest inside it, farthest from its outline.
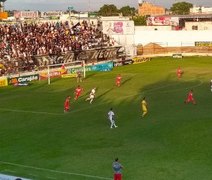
(125, 81)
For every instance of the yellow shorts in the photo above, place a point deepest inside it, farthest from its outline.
(144, 109)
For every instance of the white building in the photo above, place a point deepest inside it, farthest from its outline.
(200, 10)
(122, 30)
(198, 26)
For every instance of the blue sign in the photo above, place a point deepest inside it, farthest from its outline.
(108, 66)
(102, 67)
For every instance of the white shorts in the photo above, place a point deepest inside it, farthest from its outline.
(92, 96)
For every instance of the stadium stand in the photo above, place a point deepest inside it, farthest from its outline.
(21, 41)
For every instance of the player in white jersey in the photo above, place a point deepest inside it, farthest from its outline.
(111, 118)
(91, 95)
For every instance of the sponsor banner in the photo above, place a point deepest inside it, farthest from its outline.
(21, 84)
(163, 21)
(122, 62)
(26, 14)
(53, 74)
(69, 75)
(117, 63)
(43, 61)
(51, 14)
(74, 70)
(89, 56)
(97, 55)
(3, 81)
(138, 60)
(178, 56)
(3, 15)
(203, 43)
(118, 27)
(108, 66)
(23, 79)
(63, 71)
(127, 62)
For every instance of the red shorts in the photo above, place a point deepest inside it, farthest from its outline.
(117, 176)
(190, 99)
(66, 108)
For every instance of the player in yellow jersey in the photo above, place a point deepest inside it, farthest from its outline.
(144, 107)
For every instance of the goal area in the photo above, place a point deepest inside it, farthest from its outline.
(70, 67)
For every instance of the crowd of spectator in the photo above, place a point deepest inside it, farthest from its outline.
(20, 42)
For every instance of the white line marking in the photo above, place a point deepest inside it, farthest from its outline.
(34, 112)
(48, 113)
(54, 171)
(8, 170)
(51, 178)
(33, 175)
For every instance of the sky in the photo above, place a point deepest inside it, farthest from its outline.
(88, 5)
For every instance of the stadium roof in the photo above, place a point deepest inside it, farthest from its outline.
(189, 16)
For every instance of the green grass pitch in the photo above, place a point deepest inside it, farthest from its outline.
(173, 142)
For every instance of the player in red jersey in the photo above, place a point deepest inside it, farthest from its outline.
(179, 72)
(118, 80)
(67, 104)
(78, 92)
(190, 98)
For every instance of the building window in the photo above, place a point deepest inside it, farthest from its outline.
(194, 27)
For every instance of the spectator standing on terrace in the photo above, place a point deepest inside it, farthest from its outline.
(117, 168)
(22, 41)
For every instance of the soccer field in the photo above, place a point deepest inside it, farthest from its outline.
(173, 142)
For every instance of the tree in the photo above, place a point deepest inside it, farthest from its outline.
(127, 11)
(139, 20)
(108, 10)
(181, 8)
